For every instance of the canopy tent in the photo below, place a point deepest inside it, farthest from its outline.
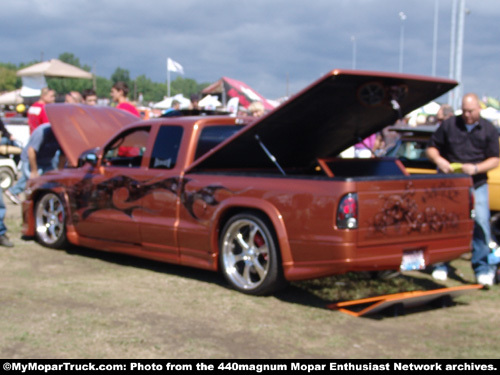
(11, 98)
(209, 102)
(34, 76)
(167, 102)
(491, 114)
(54, 68)
(231, 88)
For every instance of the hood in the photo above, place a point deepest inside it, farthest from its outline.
(332, 114)
(80, 127)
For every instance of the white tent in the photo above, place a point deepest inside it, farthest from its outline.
(11, 98)
(167, 102)
(54, 68)
(34, 76)
(491, 114)
(209, 102)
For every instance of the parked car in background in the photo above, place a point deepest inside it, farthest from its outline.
(410, 150)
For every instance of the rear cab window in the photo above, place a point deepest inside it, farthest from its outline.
(211, 136)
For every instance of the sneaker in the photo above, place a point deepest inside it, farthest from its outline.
(485, 279)
(4, 241)
(440, 275)
(13, 198)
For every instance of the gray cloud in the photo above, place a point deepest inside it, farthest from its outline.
(259, 42)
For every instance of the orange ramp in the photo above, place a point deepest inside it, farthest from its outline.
(373, 305)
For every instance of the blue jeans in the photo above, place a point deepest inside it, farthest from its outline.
(481, 236)
(20, 185)
(482, 232)
(3, 210)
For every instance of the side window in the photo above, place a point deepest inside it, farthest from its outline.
(211, 136)
(166, 148)
(127, 149)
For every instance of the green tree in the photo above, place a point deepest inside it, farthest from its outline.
(122, 75)
(186, 86)
(69, 58)
(103, 87)
(151, 91)
(8, 79)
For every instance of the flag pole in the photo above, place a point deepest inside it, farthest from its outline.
(168, 80)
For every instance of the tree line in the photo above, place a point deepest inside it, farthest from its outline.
(151, 91)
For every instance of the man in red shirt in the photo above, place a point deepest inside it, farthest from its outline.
(36, 113)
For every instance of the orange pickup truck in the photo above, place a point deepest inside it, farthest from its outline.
(263, 202)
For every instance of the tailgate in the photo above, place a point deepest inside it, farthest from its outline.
(416, 208)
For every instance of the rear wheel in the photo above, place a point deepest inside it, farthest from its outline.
(7, 177)
(50, 221)
(249, 255)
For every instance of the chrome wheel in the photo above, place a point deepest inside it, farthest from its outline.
(249, 259)
(6, 177)
(50, 221)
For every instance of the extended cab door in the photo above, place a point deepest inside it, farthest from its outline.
(110, 204)
(160, 202)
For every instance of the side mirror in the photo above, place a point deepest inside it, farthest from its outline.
(90, 157)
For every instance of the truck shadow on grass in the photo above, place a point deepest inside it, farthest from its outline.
(316, 293)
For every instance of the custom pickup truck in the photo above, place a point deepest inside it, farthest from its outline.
(262, 201)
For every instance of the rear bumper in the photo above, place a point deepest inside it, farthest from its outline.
(338, 259)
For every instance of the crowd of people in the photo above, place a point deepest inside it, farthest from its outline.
(42, 152)
(467, 139)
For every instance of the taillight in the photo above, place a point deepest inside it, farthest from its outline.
(472, 203)
(347, 212)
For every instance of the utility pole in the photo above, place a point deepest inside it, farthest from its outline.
(460, 52)
(353, 40)
(435, 38)
(402, 16)
(453, 32)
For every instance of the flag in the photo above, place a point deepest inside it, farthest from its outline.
(173, 66)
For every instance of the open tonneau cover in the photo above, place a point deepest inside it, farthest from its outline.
(332, 114)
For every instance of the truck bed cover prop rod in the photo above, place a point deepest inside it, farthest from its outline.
(269, 155)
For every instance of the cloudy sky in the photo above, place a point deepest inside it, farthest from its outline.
(275, 46)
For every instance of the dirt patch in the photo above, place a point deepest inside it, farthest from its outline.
(83, 303)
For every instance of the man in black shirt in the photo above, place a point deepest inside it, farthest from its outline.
(473, 142)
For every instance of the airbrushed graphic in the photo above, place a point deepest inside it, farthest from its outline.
(403, 209)
(124, 194)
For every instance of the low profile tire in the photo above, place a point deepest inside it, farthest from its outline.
(7, 177)
(50, 221)
(249, 255)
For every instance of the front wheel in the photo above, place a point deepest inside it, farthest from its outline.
(50, 221)
(249, 255)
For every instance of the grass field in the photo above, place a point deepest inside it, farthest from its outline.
(82, 303)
